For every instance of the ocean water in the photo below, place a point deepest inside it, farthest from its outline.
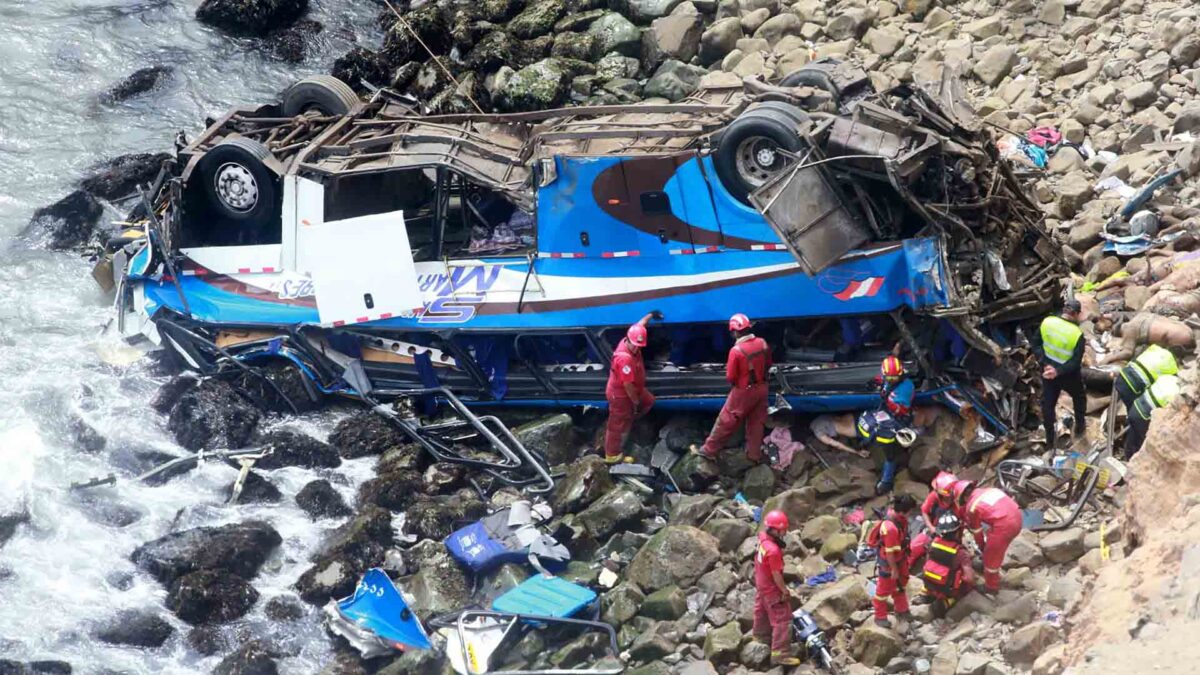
(68, 570)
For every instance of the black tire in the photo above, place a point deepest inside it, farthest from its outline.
(795, 113)
(746, 157)
(324, 94)
(815, 75)
(237, 183)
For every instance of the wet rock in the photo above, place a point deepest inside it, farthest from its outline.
(289, 448)
(210, 597)
(440, 585)
(494, 50)
(431, 518)
(585, 482)
(251, 18)
(361, 65)
(538, 18)
(140, 82)
(365, 434)
(614, 510)
(665, 604)
(135, 628)
(9, 524)
(277, 387)
(207, 640)
(50, 668)
(553, 436)
(832, 606)
(169, 394)
(67, 223)
(239, 548)
(1063, 546)
(655, 643)
(292, 44)
(252, 658)
(211, 415)
(759, 483)
(674, 37)
(395, 490)
(350, 551)
(541, 85)
(875, 646)
(677, 554)
(84, 436)
(694, 473)
(615, 33)
(120, 176)
(255, 490)
(995, 64)
(1026, 644)
(729, 532)
(693, 509)
(722, 644)
(797, 503)
(581, 46)
(431, 25)
(621, 603)
(319, 500)
(284, 608)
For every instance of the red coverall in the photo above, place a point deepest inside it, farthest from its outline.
(1002, 516)
(892, 566)
(746, 371)
(931, 509)
(627, 368)
(772, 608)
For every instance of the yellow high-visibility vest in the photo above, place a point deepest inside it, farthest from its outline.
(1160, 394)
(1059, 338)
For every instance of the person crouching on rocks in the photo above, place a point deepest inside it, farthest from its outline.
(890, 539)
(772, 599)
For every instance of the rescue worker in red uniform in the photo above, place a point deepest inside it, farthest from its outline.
(978, 508)
(939, 501)
(626, 392)
(772, 599)
(890, 539)
(746, 370)
(947, 571)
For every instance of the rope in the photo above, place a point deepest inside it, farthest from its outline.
(429, 51)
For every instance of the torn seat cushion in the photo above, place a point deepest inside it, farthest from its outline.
(508, 535)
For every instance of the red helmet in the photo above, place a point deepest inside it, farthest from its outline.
(891, 368)
(739, 321)
(777, 520)
(943, 485)
(959, 488)
(636, 335)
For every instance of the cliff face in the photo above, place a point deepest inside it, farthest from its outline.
(1138, 609)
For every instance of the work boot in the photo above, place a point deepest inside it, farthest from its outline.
(883, 487)
(883, 623)
(699, 451)
(618, 459)
(784, 660)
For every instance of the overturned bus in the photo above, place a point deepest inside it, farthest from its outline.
(373, 250)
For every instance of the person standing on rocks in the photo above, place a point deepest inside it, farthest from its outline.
(890, 539)
(772, 599)
(1153, 364)
(1000, 514)
(628, 398)
(1059, 343)
(1159, 394)
(896, 391)
(746, 370)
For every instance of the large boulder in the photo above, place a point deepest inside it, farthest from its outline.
(212, 415)
(665, 604)
(721, 645)
(694, 473)
(622, 603)
(644, 11)
(350, 551)
(135, 628)
(395, 490)
(832, 606)
(252, 658)
(239, 548)
(797, 503)
(673, 37)
(693, 509)
(436, 517)
(615, 33)
(542, 85)
(819, 529)
(995, 64)
(759, 483)
(729, 532)
(720, 38)
(538, 18)
(674, 81)
(612, 511)
(320, 500)
(364, 434)
(551, 436)
(207, 596)
(440, 584)
(67, 223)
(677, 554)
(120, 176)
(138, 82)
(586, 481)
(1063, 546)
(289, 448)
(874, 646)
(1026, 644)
(253, 18)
